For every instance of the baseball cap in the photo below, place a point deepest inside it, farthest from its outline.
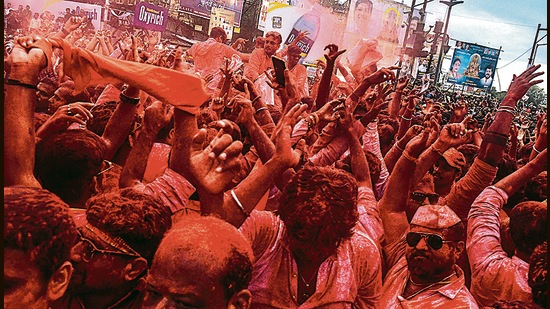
(455, 158)
(435, 217)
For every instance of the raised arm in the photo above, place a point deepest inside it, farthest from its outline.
(511, 183)
(397, 149)
(240, 201)
(494, 141)
(483, 171)
(541, 140)
(452, 135)
(393, 108)
(119, 125)
(483, 244)
(324, 85)
(24, 65)
(157, 115)
(392, 205)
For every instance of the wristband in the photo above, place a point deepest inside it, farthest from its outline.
(126, 99)
(496, 139)
(512, 112)
(404, 118)
(399, 148)
(309, 124)
(65, 32)
(535, 150)
(316, 117)
(236, 199)
(261, 109)
(255, 99)
(14, 82)
(410, 109)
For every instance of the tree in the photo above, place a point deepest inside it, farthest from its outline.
(536, 97)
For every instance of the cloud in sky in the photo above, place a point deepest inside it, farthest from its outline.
(492, 23)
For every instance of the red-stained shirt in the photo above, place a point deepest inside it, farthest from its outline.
(451, 295)
(495, 276)
(350, 278)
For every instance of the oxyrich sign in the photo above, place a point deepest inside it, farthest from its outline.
(150, 17)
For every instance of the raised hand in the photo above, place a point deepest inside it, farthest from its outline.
(73, 23)
(411, 133)
(157, 115)
(333, 52)
(418, 144)
(23, 54)
(215, 165)
(470, 123)
(239, 82)
(454, 135)
(64, 116)
(382, 75)
(345, 117)
(460, 110)
(290, 87)
(281, 137)
(520, 84)
(327, 112)
(402, 83)
(245, 110)
(301, 35)
(272, 80)
(540, 118)
(514, 132)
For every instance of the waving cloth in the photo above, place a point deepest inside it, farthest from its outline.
(183, 91)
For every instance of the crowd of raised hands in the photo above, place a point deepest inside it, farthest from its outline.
(237, 154)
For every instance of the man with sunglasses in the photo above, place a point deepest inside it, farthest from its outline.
(423, 270)
(116, 247)
(420, 254)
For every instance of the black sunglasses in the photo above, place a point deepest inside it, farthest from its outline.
(433, 240)
(419, 197)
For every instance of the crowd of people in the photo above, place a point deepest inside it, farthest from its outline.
(137, 176)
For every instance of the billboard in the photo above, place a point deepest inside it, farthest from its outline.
(203, 8)
(58, 8)
(150, 17)
(473, 65)
(224, 19)
(346, 23)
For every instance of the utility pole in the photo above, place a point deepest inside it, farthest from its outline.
(534, 48)
(409, 18)
(450, 5)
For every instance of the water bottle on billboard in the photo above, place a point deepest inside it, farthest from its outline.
(311, 22)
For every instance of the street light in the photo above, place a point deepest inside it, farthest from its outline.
(450, 5)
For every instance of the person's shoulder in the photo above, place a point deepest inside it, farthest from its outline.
(361, 242)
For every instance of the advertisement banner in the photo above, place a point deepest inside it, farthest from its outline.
(473, 65)
(59, 9)
(203, 8)
(350, 24)
(262, 18)
(224, 19)
(150, 17)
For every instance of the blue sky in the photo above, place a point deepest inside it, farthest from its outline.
(492, 23)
